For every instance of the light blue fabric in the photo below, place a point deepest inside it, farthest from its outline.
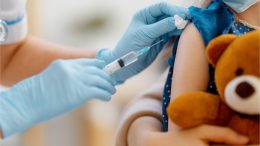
(240, 5)
(213, 21)
(63, 86)
(147, 27)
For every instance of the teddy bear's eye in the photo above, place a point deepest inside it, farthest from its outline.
(239, 72)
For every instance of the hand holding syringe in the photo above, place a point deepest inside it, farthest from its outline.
(132, 56)
(127, 59)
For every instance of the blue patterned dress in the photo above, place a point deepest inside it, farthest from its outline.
(211, 22)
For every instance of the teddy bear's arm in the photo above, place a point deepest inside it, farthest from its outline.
(195, 108)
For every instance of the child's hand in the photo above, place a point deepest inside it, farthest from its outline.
(203, 135)
(146, 131)
(199, 136)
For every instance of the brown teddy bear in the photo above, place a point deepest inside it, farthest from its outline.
(237, 77)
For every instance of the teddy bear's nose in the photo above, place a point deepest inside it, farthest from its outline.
(245, 90)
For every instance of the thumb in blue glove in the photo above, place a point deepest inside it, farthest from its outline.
(147, 27)
(63, 86)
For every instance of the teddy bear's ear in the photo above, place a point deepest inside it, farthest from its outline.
(217, 46)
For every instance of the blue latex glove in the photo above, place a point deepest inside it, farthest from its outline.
(146, 28)
(63, 86)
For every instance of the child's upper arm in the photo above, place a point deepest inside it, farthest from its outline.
(191, 66)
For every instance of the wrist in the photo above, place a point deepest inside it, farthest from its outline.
(7, 113)
(16, 114)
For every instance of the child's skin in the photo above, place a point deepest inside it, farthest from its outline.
(146, 131)
(191, 66)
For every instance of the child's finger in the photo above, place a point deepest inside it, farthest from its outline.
(220, 135)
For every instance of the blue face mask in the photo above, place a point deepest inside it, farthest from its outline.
(240, 5)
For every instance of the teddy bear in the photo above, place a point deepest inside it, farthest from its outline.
(237, 78)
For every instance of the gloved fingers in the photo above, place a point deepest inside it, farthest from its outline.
(90, 62)
(160, 28)
(100, 82)
(98, 72)
(100, 93)
(104, 54)
(164, 8)
(96, 77)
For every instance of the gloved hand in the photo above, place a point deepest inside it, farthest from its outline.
(147, 27)
(63, 86)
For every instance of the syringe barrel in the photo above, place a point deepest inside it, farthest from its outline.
(112, 67)
(121, 62)
(129, 58)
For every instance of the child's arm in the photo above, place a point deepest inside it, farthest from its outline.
(29, 57)
(191, 65)
(146, 131)
(148, 105)
(141, 125)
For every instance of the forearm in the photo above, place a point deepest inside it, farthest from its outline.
(140, 128)
(1, 135)
(31, 56)
(148, 104)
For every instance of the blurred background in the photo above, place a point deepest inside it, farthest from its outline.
(91, 24)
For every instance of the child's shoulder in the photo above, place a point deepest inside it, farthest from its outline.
(212, 21)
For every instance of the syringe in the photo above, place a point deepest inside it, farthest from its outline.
(127, 59)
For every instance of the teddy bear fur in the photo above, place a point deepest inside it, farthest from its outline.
(231, 56)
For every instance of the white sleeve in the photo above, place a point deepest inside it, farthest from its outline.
(11, 11)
